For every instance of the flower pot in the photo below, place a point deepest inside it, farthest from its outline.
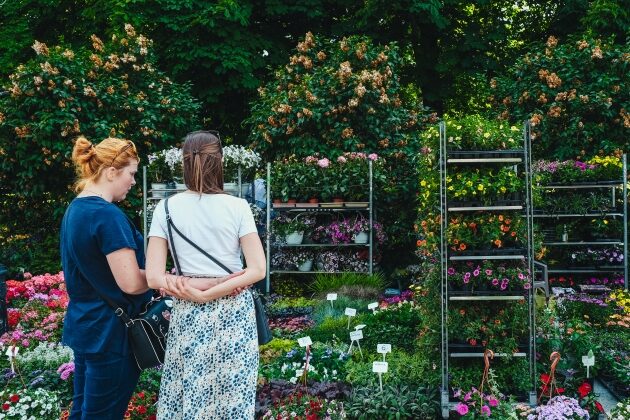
(231, 188)
(158, 190)
(276, 201)
(337, 200)
(313, 200)
(361, 238)
(291, 201)
(306, 265)
(294, 238)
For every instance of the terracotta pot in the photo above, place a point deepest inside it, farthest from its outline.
(291, 201)
(276, 200)
(313, 200)
(337, 200)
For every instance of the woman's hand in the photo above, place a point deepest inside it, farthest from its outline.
(181, 288)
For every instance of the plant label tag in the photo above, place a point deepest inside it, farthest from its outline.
(356, 335)
(351, 312)
(588, 360)
(331, 296)
(384, 348)
(372, 306)
(360, 327)
(379, 367)
(305, 341)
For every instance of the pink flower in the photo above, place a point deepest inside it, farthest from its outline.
(26, 343)
(493, 402)
(310, 159)
(485, 410)
(373, 156)
(323, 163)
(341, 159)
(462, 409)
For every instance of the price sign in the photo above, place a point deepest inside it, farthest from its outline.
(331, 296)
(305, 341)
(384, 348)
(372, 306)
(379, 367)
(351, 312)
(356, 335)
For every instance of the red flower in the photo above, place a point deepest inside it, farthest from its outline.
(599, 407)
(560, 390)
(14, 398)
(152, 417)
(140, 394)
(545, 378)
(5, 406)
(584, 389)
(141, 409)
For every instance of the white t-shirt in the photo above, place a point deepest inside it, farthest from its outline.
(215, 222)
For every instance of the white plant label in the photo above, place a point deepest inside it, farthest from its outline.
(379, 367)
(384, 348)
(305, 341)
(372, 306)
(331, 296)
(588, 361)
(351, 312)
(11, 353)
(356, 335)
(360, 327)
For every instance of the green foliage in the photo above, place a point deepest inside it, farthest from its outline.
(574, 93)
(403, 368)
(275, 348)
(325, 364)
(112, 89)
(337, 309)
(512, 377)
(350, 282)
(395, 402)
(398, 324)
(329, 330)
(150, 380)
(333, 97)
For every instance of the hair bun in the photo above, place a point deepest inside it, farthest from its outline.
(83, 151)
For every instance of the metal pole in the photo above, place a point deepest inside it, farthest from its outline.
(529, 214)
(625, 219)
(144, 208)
(443, 271)
(268, 230)
(240, 188)
(371, 241)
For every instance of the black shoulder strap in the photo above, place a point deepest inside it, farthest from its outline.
(170, 224)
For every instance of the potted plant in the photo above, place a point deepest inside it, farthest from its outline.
(164, 169)
(235, 157)
(292, 228)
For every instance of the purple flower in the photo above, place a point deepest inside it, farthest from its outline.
(488, 272)
(476, 272)
(495, 282)
(485, 410)
(451, 271)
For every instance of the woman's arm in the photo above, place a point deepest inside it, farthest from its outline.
(129, 277)
(255, 271)
(157, 251)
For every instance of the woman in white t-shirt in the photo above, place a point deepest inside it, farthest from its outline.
(211, 362)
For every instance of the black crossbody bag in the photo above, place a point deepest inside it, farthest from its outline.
(262, 323)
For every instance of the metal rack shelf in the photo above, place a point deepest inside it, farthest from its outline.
(551, 216)
(345, 207)
(615, 211)
(487, 298)
(580, 243)
(520, 160)
(486, 208)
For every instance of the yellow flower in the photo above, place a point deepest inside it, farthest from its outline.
(480, 187)
(423, 183)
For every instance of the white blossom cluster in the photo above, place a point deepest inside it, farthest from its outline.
(32, 405)
(173, 157)
(45, 356)
(234, 155)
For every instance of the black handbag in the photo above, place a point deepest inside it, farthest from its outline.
(148, 331)
(262, 323)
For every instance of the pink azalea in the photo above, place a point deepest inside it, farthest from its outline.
(485, 410)
(462, 409)
(323, 163)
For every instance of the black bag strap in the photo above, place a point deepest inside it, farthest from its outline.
(118, 310)
(170, 225)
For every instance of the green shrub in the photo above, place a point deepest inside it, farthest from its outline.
(330, 330)
(395, 402)
(275, 348)
(403, 368)
(575, 93)
(349, 284)
(398, 325)
(112, 89)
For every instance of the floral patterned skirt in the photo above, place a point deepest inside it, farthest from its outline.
(211, 364)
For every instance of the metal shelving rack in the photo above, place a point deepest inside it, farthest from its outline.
(518, 157)
(321, 208)
(613, 185)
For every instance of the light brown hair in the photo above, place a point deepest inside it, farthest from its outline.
(91, 160)
(203, 165)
